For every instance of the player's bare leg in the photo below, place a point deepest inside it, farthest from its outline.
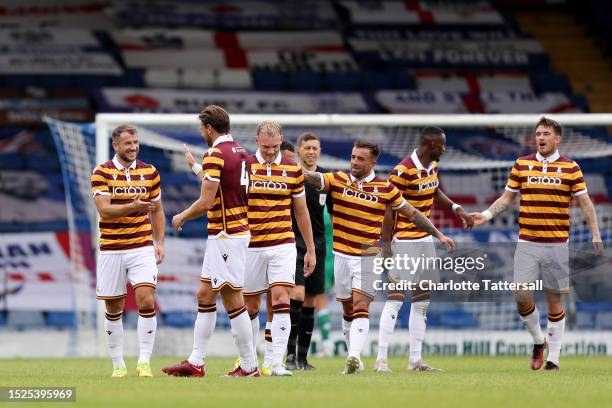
(555, 329)
(233, 300)
(202, 332)
(360, 328)
(531, 320)
(147, 328)
(417, 324)
(281, 324)
(388, 319)
(113, 327)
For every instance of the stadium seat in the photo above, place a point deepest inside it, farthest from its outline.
(458, 320)
(60, 319)
(130, 319)
(179, 319)
(267, 80)
(305, 81)
(25, 319)
(2, 318)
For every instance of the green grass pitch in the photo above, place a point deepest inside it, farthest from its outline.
(466, 382)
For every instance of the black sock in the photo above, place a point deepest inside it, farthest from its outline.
(296, 309)
(305, 331)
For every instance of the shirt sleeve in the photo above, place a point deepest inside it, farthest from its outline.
(155, 190)
(212, 165)
(327, 181)
(298, 187)
(578, 184)
(396, 201)
(514, 184)
(396, 178)
(99, 183)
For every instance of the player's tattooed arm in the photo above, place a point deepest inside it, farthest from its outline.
(422, 223)
(419, 220)
(312, 178)
(499, 206)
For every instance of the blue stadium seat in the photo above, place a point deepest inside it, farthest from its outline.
(179, 319)
(305, 81)
(343, 81)
(266, 80)
(2, 318)
(61, 319)
(12, 161)
(25, 319)
(458, 320)
(130, 319)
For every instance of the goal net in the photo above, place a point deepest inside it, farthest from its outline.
(481, 150)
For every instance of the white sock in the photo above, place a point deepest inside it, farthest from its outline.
(417, 323)
(388, 318)
(269, 345)
(147, 328)
(532, 323)
(359, 333)
(114, 339)
(202, 332)
(555, 337)
(255, 330)
(281, 326)
(243, 337)
(346, 330)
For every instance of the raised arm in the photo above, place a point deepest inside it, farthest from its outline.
(589, 214)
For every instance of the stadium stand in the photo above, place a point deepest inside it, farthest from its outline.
(340, 56)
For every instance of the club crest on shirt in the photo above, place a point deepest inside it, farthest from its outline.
(322, 199)
(114, 177)
(142, 177)
(284, 174)
(530, 167)
(253, 171)
(375, 191)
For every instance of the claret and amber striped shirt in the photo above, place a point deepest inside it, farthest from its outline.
(418, 186)
(546, 186)
(359, 210)
(272, 187)
(226, 163)
(123, 185)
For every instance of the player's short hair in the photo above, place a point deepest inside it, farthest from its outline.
(430, 131)
(285, 145)
(123, 128)
(305, 137)
(372, 147)
(216, 117)
(547, 122)
(269, 127)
